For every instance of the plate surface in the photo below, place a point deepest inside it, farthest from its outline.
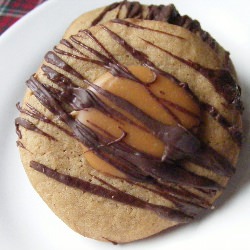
(26, 223)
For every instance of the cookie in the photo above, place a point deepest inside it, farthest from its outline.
(130, 126)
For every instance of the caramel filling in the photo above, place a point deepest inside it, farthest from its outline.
(156, 95)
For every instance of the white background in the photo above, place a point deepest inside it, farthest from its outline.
(25, 221)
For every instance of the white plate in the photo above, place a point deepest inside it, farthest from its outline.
(25, 221)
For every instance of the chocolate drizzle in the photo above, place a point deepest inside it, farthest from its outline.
(234, 131)
(52, 58)
(143, 58)
(115, 195)
(34, 113)
(104, 12)
(170, 173)
(221, 79)
(30, 126)
(20, 144)
(224, 84)
(129, 24)
(135, 164)
(167, 174)
(164, 13)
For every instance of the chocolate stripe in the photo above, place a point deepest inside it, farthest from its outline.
(20, 144)
(143, 58)
(233, 130)
(84, 134)
(56, 77)
(164, 13)
(115, 195)
(32, 112)
(207, 158)
(110, 61)
(221, 79)
(132, 25)
(104, 12)
(85, 59)
(52, 58)
(161, 171)
(186, 206)
(71, 46)
(227, 86)
(119, 70)
(30, 126)
(179, 108)
(164, 132)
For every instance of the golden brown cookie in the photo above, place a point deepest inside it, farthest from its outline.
(132, 126)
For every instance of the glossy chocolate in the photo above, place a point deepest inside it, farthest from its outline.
(134, 164)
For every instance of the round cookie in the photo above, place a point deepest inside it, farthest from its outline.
(55, 161)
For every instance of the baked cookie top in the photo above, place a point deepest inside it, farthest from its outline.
(131, 126)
